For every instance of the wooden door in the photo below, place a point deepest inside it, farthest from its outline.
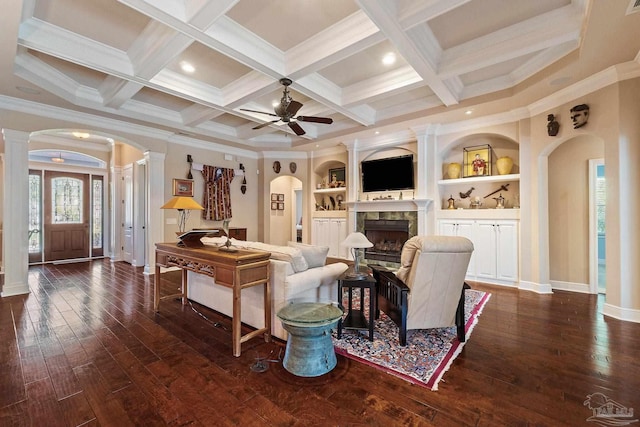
(66, 216)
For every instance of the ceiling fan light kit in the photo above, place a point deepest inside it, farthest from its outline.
(286, 112)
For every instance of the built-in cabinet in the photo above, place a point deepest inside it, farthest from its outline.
(331, 232)
(495, 256)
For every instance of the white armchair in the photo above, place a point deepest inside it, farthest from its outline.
(428, 290)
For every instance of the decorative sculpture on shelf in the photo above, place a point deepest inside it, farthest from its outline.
(502, 188)
(553, 126)
(467, 194)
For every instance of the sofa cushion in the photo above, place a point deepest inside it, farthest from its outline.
(316, 256)
(282, 253)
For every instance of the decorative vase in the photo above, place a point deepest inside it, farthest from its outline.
(453, 170)
(504, 165)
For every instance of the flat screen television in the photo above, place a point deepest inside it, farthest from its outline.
(393, 173)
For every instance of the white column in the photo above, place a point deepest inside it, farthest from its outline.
(353, 184)
(15, 248)
(155, 199)
(427, 178)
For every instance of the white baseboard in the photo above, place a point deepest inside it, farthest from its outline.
(626, 314)
(9, 290)
(539, 288)
(583, 288)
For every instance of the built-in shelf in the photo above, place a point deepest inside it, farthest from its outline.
(330, 214)
(492, 178)
(330, 190)
(389, 205)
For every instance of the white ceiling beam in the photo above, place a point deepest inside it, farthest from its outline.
(196, 114)
(116, 91)
(382, 14)
(365, 90)
(412, 13)
(541, 32)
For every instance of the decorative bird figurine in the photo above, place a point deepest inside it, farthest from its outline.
(467, 194)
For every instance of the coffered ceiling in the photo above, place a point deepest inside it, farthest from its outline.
(124, 59)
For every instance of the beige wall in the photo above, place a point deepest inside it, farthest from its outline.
(243, 206)
(569, 208)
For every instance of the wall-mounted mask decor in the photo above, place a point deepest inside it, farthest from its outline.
(276, 166)
(293, 167)
(243, 186)
(579, 115)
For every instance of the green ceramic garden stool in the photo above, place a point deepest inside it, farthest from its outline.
(309, 351)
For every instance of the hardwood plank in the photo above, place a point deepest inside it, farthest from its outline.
(86, 348)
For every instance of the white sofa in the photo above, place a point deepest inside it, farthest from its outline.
(297, 271)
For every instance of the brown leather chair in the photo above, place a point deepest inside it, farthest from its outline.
(428, 290)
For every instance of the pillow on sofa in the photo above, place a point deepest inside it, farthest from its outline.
(283, 253)
(316, 256)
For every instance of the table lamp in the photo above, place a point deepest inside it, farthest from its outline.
(184, 205)
(356, 241)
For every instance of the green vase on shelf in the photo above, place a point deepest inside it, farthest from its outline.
(504, 165)
(453, 170)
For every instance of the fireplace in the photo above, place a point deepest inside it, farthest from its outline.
(387, 236)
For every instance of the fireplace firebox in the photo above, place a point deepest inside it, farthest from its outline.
(387, 236)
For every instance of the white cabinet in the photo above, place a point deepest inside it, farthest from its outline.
(462, 228)
(330, 232)
(495, 255)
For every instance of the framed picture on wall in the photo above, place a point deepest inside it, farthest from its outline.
(274, 197)
(477, 161)
(281, 197)
(274, 206)
(183, 187)
(280, 206)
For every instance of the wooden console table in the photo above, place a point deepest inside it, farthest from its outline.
(235, 270)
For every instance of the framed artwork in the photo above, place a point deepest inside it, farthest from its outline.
(280, 206)
(183, 187)
(274, 206)
(336, 177)
(281, 197)
(274, 197)
(477, 161)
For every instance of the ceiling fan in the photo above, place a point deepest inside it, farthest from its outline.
(286, 111)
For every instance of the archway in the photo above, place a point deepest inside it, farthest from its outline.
(284, 209)
(569, 232)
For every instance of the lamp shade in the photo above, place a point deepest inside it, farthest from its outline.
(182, 203)
(356, 240)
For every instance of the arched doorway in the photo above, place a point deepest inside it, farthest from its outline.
(568, 189)
(285, 209)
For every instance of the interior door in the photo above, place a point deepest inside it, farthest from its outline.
(127, 214)
(66, 216)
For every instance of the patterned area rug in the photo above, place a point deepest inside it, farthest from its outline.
(428, 353)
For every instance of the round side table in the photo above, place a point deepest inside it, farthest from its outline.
(309, 351)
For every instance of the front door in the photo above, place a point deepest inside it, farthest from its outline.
(66, 216)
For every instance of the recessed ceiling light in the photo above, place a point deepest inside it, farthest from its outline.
(81, 135)
(389, 58)
(468, 112)
(377, 132)
(29, 90)
(187, 67)
(275, 103)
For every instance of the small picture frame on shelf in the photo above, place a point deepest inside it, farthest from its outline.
(274, 197)
(183, 187)
(280, 206)
(336, 177)
(281, 198)
(274, 206)
(477, 161)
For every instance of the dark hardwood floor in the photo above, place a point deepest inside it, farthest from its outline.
(85, 348)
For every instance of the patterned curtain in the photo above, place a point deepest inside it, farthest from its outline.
(217, 192)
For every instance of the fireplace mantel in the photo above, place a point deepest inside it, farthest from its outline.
(390, 205)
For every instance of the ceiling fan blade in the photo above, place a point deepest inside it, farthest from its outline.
(296, 128)
(293, 107)
(256, 111)
(325, 120)
(260, 126)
